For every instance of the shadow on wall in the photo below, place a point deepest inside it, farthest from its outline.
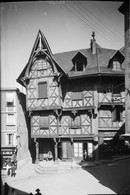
(31, 144)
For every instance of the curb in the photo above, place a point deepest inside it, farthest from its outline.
(102, 162)
(114, 160)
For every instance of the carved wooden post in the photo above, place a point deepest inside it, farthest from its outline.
(72, 147)
(37, 150)
(56, 148)
(56, 151)
(100, 142)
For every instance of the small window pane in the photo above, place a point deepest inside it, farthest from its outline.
(116, 66)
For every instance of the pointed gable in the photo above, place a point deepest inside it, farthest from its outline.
(41, 58)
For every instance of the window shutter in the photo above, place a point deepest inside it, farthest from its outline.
(76, 95)
(114, 115)
(42, 90)
(72, 122)
(77, 121)
(43, 122)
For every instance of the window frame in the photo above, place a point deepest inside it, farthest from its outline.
(117, 114)
(116, 65)
(44, 127)
(10, 141)
(8, 123)
(39, 95)
(10, 103)
(73, 122)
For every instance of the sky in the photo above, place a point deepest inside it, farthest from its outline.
(67, 25)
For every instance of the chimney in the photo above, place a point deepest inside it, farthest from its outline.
(93, 43)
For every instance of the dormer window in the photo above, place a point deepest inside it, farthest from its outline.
(79, 66)
(116, 60)
(79, 62)
(116, 65)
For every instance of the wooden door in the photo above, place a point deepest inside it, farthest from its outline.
(66, 150)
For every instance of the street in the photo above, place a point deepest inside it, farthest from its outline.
(115, 176)
(109, 178)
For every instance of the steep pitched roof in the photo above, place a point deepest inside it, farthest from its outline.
(96, 63)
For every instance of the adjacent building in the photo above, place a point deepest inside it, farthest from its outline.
(14, 124)
(75, 100)
(9, 123)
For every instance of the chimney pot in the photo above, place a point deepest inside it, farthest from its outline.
(93, 43)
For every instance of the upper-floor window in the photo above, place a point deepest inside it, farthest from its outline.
(75, 122)
(42, 64)
(77, 95)
(42, 90)
(10, 99)
(79, 65)
(116, 65)
(79, 62)
(117, 114)
(10, 120)
(10, 140)
(43, 122)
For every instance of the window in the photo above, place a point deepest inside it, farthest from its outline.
(42, 90)
(10, 99)
(43, 122)
(75, 122)
(116, 66)
(117, 114)
(42, 64)
(77, 96)
(10, 119)
(79, 66)
(10, 139)
(79, 62)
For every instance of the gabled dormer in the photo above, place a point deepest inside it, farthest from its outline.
(79, 62)
(115, 62)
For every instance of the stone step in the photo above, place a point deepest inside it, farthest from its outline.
(43, 168)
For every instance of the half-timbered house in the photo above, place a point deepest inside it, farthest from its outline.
(75, 99)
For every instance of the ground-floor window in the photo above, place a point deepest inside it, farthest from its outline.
(78, 150)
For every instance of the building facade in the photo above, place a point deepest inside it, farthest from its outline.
(14, 124)
(75, 100)
(9, 123)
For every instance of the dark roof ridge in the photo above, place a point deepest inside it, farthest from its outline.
(80, 50)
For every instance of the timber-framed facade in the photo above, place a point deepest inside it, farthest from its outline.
(76, 100)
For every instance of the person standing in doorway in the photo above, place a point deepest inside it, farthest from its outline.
(85, 155)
